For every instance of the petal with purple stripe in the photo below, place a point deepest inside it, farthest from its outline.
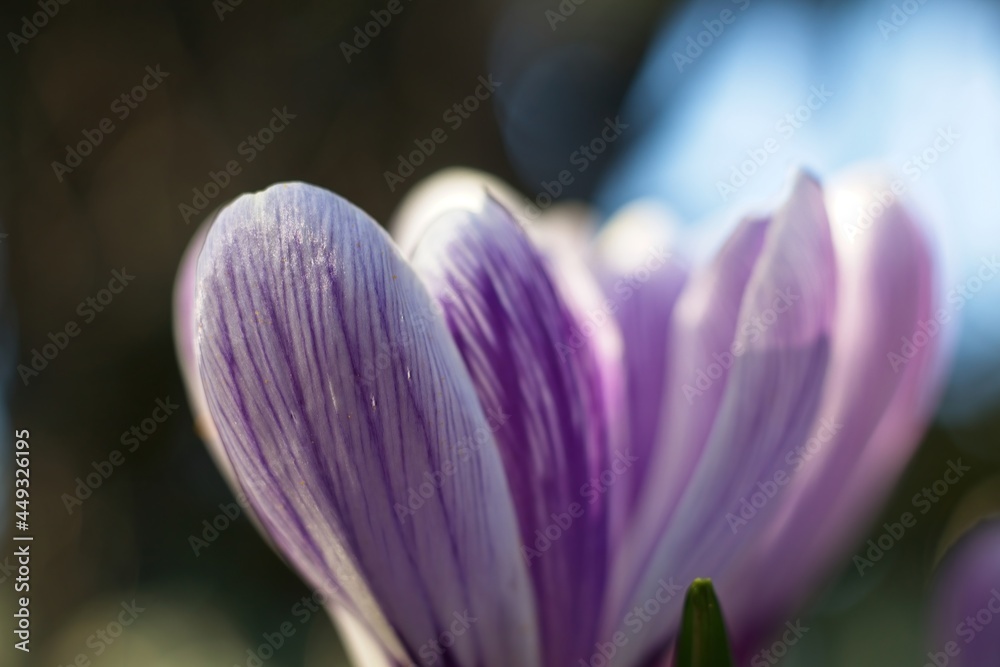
(354, 428)
(527, 360)
(446, 190)
(184, 339)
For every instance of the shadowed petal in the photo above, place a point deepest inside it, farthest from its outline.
(563, 235)
(385, 490)
(520, 344)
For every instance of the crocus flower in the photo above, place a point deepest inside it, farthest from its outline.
(463, 450)
(966, 604)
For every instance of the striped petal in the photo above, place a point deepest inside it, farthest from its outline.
(444, 191)
(528, 360)
(187, 350)
(352, 424)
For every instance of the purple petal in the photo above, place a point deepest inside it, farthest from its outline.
(767, 402)
(528, 361)
(187, 351)
(704, 321)
(877, 410)
(564, 236)
(447, 190)
(380, 482)
(966, 603)
(641, 281)
(183, 305)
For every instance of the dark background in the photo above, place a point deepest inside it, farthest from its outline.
(119, 208)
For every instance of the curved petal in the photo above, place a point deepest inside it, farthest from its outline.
(965, 628)
(385, 490)
(183, 306)
(563, 235)
(529, 364)
(704, 321)
(777, 363)
(456, 188)
(874, 407)
(696, 329)
(187, 350)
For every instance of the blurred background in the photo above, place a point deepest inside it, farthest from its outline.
(124, 124)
